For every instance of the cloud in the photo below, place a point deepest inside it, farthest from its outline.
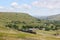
(26, 6)
(1, 7)
(47, 3)
(15, 5)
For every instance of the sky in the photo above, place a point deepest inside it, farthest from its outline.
(32, 7)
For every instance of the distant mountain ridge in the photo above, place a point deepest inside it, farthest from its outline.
(52, 17)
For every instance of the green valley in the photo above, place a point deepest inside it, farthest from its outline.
(22, 26)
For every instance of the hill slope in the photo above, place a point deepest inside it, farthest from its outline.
(15, 16)
(54, 17)
(12, 34)
(11, 16)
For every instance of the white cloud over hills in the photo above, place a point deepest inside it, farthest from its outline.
(16, 5)
(35, 7)
(47, 3)
(50, 4)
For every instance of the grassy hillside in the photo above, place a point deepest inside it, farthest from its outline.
(6, 17)
(12, 34)
(7, 33)
(22, 17)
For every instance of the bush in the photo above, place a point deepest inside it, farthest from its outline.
(47, 29)
(12, 25)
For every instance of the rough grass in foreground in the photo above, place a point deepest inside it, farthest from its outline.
(25, 36)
